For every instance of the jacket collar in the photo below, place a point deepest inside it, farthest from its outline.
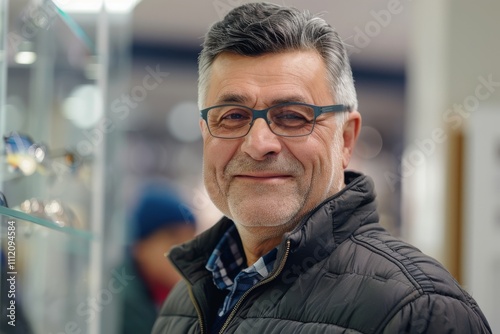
(320, 232)
(332, 222)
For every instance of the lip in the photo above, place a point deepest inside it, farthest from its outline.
(263, 177)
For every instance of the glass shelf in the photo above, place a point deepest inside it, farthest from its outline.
(15, 214)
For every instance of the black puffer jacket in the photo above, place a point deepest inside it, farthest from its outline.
(338, 272)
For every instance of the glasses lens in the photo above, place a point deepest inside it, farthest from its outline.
(229, 121)
(291, 120)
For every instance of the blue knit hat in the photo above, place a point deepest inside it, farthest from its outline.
(159, 207)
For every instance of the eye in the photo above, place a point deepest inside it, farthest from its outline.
(292, 115)
(229, 117)
(234, 114)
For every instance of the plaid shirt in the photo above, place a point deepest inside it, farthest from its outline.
(230, 272)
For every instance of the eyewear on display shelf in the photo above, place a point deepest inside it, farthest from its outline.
(3, 200)
(27, 157)
(53, 210)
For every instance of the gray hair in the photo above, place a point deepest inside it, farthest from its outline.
(257, 28)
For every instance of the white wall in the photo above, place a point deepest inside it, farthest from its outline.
(454, 84)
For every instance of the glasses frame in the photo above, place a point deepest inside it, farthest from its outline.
(256, 114)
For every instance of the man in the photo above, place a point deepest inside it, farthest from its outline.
(300, 249)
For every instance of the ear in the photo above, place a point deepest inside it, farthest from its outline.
(351, 129)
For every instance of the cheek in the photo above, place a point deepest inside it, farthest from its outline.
(321, 161)
(216, 155)
(316, 155)
(330, 148)
(209, 167)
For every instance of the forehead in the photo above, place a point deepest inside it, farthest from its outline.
(300, 75)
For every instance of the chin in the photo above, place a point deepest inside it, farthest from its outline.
(266, 215)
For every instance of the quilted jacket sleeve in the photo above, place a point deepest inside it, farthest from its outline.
(434, 313)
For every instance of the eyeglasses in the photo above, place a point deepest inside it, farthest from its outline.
(291, 119)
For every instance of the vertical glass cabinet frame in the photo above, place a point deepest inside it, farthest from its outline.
(58, 191)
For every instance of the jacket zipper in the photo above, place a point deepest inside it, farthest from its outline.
(198, 310)
(264, 281)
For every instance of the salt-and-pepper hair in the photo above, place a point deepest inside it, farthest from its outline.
(259, 28)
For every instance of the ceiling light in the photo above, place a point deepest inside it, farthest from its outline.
(120, 6)
(25, 57)
(95, 6)
(25, 54)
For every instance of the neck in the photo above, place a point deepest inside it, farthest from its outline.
(258, 241)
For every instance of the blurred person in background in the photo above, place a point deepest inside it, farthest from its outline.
(300, 249)
(160, 220)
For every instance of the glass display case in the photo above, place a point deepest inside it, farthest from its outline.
(45, 275)
(58, 144)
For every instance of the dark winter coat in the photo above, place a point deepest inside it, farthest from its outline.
(339, 271)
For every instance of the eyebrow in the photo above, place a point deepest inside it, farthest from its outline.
(232, 98)
(291, 98)
(242, 99)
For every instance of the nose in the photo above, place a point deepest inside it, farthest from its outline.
(261, 142)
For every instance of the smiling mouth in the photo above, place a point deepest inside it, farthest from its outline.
(263, 177)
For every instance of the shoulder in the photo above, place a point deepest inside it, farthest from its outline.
(377, 254)
(177, 315)
(409, 287)
(437, 313)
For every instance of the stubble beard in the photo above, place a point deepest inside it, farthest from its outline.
(265, 205)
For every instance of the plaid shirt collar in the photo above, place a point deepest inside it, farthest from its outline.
(228, 267)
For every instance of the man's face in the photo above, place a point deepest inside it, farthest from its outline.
(263, 179)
